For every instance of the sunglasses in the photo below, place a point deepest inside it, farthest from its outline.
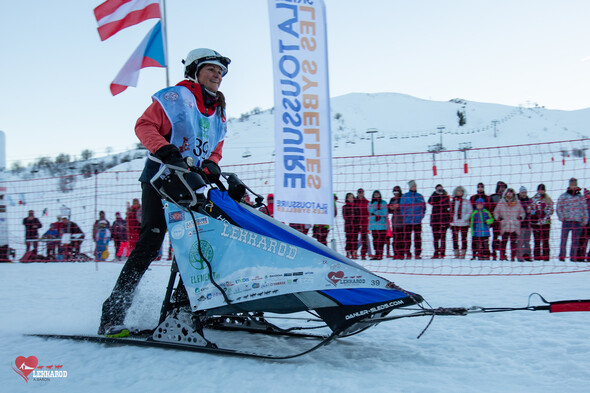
(223, 60)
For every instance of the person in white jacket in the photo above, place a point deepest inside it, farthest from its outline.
(462, 209)
(572, 211)
(509, 212)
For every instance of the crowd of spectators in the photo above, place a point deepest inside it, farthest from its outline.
(501, 225)
(63, 238)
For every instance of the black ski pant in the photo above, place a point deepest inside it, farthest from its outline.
(351, 241)
(416, 229)
(513, 237)
(379, 241)
(439, 235)
(364, 240)
(398, 241)
(461, 232)
(480, 247)
(541, 241)
(496, 238)
(151, 236)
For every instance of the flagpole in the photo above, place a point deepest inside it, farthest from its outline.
(165, 31)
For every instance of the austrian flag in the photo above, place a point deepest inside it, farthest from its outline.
(115, 15)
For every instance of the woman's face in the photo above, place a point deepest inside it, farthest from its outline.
(210, 77)
(376, 195)
(350, 198)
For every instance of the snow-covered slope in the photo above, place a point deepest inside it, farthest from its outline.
(407, 124)
(526, 352)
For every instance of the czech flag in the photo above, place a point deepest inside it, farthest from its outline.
(115, 15)
(150, 53)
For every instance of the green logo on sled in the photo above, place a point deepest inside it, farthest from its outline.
(195, 258)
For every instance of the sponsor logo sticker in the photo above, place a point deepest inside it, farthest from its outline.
(177, 231)
(195, 258)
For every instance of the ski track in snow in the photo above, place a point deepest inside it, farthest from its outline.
(505, 352)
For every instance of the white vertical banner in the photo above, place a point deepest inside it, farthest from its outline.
(303, 142)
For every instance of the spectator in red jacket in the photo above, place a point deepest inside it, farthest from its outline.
(481, 193)
(496, 232)
(120, 236)
(362, 204)
(32, 225)
(270, 205)
(133, 222)
(397, 223)
(440, 219)
(350, 213)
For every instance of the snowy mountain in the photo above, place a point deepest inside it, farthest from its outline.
(407, 124)
(404, 124)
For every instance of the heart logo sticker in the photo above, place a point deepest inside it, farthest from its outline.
(25, 366)
(334, 277)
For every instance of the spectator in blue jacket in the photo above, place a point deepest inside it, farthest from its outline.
(378, 223)
(481, 220)
(413, 209)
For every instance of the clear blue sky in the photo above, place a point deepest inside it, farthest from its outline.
(55, 72)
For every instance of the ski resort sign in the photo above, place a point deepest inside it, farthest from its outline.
(303, 145)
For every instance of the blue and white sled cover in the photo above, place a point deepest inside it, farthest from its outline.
(264, 265)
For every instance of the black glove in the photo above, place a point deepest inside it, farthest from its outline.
(211, 169)
(170, 155)
(236, 189)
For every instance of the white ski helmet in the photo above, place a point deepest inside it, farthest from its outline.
(201, 56)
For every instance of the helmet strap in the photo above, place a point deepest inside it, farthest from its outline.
(193, 78)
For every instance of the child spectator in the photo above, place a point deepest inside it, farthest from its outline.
(103, 237)
(51, 237)
(120, 236)
(481, 220)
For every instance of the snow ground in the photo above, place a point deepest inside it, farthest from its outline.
(504, 352)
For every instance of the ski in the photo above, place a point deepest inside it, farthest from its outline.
(148, 341)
